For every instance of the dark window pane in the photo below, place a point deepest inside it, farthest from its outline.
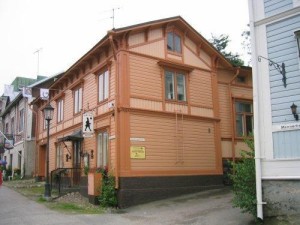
(169, 85)
(181, 87)
(239, 125)
(177, 40)
(249, 124)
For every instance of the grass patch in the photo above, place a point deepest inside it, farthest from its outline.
(72, 208)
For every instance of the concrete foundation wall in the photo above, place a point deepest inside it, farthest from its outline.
(282, 197)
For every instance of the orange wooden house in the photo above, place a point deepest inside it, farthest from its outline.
(167, 107)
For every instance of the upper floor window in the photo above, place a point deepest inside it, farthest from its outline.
(174, 42)
(77, 100)
(243, 118)
(103, 86)
(6, 128)
(60, 110)
(175, 88)
(21, 120)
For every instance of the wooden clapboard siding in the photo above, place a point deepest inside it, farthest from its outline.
(205, 57)
(146, 104)
(135, 39)
(155, 49)
(145, 77)
(112, 81)
(200, 88)
(164, 151)
(189, 43)
(241, 92)
(273, 7)
(155, 34)
(191, 58)
(176, 57)
(225, 109)
(90, 97)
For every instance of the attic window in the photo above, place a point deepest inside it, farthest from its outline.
(174, 42)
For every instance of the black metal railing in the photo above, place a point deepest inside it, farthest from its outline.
(65, 180)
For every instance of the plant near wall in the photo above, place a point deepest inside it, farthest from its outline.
(243, 177)
(108, 196)
(86, 170)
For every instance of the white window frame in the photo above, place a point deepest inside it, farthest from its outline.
(60, 110)
(103, 86)
(244, 114)
(175, 75)
(102, 149)
(78, 100)
(59, 156)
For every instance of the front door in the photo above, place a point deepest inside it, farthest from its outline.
(76, 162)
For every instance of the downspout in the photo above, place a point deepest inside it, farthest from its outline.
(256, 114)
(232, 111)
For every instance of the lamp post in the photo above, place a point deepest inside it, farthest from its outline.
(48, 115)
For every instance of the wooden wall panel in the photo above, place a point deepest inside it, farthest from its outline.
(166, 149)
(145, 104)
(112, 81)
(145, 77)
(226, 149)
(173, 107)
(225, 109)
(191, 59)
(176, 57)
(200, 111)
(205, 57)
(155, 49)
(239, 147)
(135, 39)
(200, 88)
(240, 92)
(155, 34)
(90, 98)
(68, 105)
(190, 44)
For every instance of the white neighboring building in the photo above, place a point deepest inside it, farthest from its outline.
(275, 37)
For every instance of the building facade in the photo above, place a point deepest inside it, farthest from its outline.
(275, 27)
(156, 104)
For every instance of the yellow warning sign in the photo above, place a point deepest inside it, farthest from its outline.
(137, 152)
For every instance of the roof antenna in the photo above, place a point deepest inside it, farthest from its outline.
(38, 59)
(113, 16)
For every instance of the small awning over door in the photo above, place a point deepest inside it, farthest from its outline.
(75, 136)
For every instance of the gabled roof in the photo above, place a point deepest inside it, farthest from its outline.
(178, 21)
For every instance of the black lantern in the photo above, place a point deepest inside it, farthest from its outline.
(48, 115)
(294, 111)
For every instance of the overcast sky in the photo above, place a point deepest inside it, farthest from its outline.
(65, 30)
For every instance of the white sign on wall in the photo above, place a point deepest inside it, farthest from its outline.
(88, 124)
(286, 127)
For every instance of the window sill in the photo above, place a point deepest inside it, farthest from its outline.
(176, 102)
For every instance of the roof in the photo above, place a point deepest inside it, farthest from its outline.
(178, 20)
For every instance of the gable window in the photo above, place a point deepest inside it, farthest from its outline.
(60, 110)
(103, 85)
(21, 120)
(243, 118)
(241, 79)
(174, 42)
(175, 88)
(102, 149)
(77, 100)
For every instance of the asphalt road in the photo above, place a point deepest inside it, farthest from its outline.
(203, 208)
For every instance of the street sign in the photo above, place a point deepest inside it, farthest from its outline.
(88, 124)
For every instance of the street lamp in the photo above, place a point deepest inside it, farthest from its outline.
(48, 115)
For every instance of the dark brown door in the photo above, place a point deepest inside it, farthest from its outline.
(76, 162)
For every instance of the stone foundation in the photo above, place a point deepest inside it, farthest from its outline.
(282, 197)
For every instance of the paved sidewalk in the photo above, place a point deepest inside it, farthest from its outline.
(204, 208)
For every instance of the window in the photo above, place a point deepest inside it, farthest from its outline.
(21, 120)
(6, 128)
(103, 86)
(19, 159)
(60, 110)
(297, 36)
(77, 100)
(241, 79)
(174, 42)
(59, 156)
(175, 86)
(102, 149)
(244, 118)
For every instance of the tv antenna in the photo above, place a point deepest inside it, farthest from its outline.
(38, 59)
(113, 16)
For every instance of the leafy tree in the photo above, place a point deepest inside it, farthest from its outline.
(247, 41)
(221, 43)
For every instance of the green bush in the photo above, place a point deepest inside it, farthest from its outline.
(244, 185)
(108, 196)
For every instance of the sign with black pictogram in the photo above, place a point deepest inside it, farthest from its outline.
(88, 124)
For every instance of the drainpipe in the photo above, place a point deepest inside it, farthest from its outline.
(232, 111)
(256, 115)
